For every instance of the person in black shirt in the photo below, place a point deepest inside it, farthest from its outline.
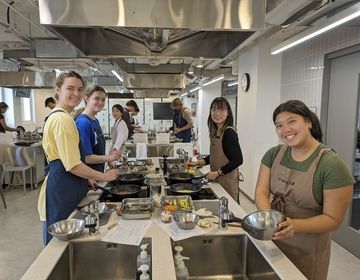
(3, 125)
(130, 107)
(225, 152)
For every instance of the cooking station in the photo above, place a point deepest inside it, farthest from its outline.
(64, 260)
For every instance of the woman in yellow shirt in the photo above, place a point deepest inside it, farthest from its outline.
(67, 177)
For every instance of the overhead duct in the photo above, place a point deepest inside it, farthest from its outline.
(154, 81)
(151, 93)
(27, 79)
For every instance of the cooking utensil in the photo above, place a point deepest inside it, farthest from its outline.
(122, 191)
(261, 224)
(67, 229)
(131, 178)
(180, 177)
(137, 208)
(186, 220)
(177, 203)
(185, 188)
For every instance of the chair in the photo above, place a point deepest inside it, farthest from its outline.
(8, 167)
(1, 189)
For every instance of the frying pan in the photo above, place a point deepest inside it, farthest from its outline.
(131, 178)
(122, 191)
(180, 177)
(185, 188)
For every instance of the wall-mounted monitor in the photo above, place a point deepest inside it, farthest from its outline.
(162, 111)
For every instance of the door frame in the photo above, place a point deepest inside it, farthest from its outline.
(343, 235)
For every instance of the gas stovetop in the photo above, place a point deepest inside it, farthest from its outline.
(107, 197)
(204, 193)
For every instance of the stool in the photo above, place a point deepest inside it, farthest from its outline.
(7, 167)
(2, 190)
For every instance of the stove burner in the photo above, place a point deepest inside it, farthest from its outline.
(204, 193)
(107, 197)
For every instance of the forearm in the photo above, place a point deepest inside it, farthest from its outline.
(262, 200)
(10, 129)
(93, 159)
(83, 171)
(185, 127)
(316, 224)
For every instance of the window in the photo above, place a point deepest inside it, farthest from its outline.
(27, 108)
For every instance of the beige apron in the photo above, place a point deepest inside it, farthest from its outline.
(229, 181)
(293, 195)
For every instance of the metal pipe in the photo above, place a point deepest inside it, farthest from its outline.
(24, 17)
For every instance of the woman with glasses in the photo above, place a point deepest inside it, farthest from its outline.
(225, 152)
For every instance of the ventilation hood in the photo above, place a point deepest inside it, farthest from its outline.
(152, 28)
(154, 81)
(27, 79)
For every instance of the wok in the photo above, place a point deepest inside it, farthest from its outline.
(122, 191)
(181, 177)
(261, 224)
(131, 178)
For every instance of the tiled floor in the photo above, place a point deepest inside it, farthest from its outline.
(20, 239)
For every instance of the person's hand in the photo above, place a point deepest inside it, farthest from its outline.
(110, 175)
(19, 129)
(177, 130)
(212, 175)
(115, 155)
(92, 184)
(191, 163)
(287, 229)
(111, 165)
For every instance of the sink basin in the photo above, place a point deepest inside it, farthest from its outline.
(97, 260)
(225, 257)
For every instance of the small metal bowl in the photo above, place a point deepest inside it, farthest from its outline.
(67, 229)
(186, 220)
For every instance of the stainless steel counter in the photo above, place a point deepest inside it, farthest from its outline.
(25, 155)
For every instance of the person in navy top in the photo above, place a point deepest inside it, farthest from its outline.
(91, 136)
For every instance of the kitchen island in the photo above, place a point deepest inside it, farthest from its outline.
(162, 255)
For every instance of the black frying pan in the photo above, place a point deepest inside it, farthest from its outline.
(185, 188)
(131, 178)
(122, 191)
(175, 178)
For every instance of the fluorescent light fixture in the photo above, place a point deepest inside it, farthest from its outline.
(191, 70)
(57, 72)
(116, 74)
(332, 22)
(232, 83)
(194, 89)
(213, 81)
(185, 93)
(199, 65)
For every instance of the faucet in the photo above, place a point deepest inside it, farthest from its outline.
(225, 215)
(182, 154)
(165, 167)
(92, 221)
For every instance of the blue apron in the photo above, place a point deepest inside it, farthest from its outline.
(64, 191)
(180, 122)
(99, 148)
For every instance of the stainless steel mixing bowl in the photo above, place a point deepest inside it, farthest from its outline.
(67, 229)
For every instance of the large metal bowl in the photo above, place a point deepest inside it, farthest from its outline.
(263, 224)
(186, 220)
(67, 229)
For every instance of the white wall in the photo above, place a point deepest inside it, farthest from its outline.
(206, 96)
(255, 128)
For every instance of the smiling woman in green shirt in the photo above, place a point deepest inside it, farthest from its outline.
(309, 183)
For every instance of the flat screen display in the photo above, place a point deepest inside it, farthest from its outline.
(162, 111)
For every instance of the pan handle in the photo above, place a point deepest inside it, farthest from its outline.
(237, 220)
(101, 188)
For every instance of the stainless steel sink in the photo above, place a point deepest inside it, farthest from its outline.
(97, 260)
(225, 257)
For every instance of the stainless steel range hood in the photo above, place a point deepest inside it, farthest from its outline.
(154, 81)
(149, 28)
(27, 79)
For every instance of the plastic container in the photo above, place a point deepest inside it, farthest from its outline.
(181, 270)
(143, 257)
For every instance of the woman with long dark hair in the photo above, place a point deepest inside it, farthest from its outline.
(309, 183)
(3, 125)
(225, 152)
(119, 131)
